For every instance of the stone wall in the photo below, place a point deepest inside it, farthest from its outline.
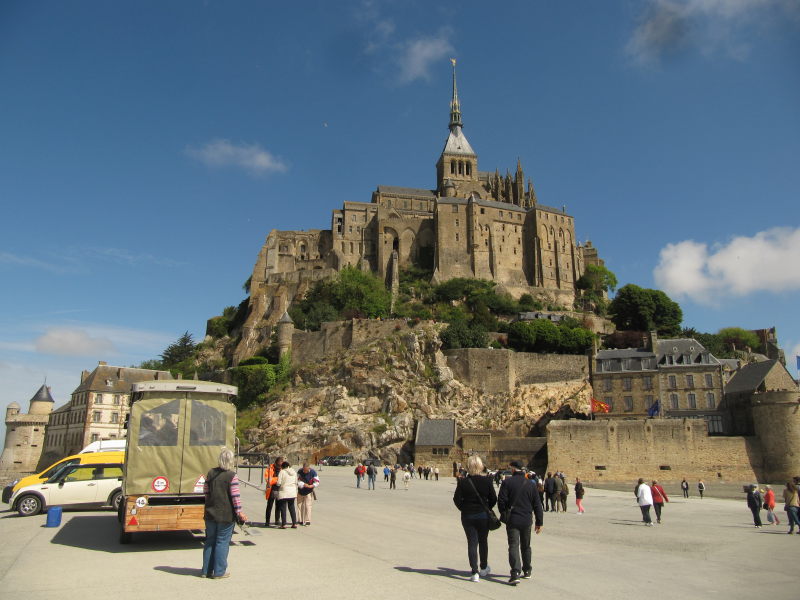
(336, 336)
(776, 420)
(497, 371)
(621, 451)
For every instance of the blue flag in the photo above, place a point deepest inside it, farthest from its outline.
(798, 362)
(654, 409)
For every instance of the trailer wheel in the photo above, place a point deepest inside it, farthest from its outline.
(116, 501)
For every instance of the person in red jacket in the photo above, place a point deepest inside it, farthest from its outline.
(659, 497)
(271, 479)
(769, 504)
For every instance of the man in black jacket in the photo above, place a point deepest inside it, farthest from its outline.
(521, 497)
(549, 491)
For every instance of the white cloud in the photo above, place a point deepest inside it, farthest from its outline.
(767, 261)
(418, 55)
(66, 341)
(250, 157)
(7, 258)
(670, 26)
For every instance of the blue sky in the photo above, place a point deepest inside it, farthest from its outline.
(148, 148)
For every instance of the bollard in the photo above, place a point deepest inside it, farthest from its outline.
(53, 516)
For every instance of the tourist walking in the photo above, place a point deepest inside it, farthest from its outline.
(791, 503)
(659, 498)
(644, 498)
(558, 485)
(754, 501)
(271, 494)
(685, 488)
(287, 493)
(407, 477)
(436, 473)
(564, 493)
(474, 494)
(372, 473)
(393, 478)
(223, 507)
(579, 495)
(307, 482)
(520, 498)
(386, 471)
(701, 487)
(769, 505)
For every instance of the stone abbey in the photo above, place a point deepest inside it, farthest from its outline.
(475, 224)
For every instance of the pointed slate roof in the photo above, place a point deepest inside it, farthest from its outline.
(43, 395)
(749, 377)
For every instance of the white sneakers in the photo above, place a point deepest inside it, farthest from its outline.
(486, 571)
(475, 577)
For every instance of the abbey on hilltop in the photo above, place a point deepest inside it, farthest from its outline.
(474, 223)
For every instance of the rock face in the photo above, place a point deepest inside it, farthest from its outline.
(369, 400)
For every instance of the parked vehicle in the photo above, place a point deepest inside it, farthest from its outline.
(175, 432)
(73, 485)
(105, 446)
(116, 457)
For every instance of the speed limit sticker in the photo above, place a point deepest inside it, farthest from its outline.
(160, 484)
(141, 502)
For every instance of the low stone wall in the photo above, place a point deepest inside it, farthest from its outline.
(498, 371)
(663, 449)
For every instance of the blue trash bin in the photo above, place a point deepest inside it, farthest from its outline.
(53, 516)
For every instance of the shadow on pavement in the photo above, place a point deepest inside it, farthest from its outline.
(178, 570)
(626, 522)
(439, 572)
(101, 533)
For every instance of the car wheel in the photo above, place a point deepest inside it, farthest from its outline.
(29, 505)
(116, 500)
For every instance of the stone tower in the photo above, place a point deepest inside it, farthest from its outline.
(458, 162)
(25, 433)
(285, 328)
(776, 423)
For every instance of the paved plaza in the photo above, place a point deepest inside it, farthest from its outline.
(409, 544)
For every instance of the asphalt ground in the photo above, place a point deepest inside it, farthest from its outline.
(409, 544)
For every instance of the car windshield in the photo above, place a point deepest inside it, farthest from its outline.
(55, 469)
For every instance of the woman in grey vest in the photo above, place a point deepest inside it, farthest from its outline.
(223, 509)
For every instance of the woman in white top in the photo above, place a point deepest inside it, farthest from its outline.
(287, 492)
(644, 497)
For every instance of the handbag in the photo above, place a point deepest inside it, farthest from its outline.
(494, 522)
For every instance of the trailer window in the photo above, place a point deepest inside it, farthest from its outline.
(208, 425)
(159, 426)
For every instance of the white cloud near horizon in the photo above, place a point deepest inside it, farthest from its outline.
(767, 261)
(65, 341)
(418, 55)
(668, 27)
(251, 157)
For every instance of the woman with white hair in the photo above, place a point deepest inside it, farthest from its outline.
(223, 508)
(472, 493)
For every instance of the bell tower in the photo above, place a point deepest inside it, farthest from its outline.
(458, 161)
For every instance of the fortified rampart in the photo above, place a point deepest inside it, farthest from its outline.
(663, 449)
(497, 371)
(776, 421)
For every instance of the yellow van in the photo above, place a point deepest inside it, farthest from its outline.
(84, 458)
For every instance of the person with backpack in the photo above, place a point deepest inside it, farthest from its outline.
(564, 493)
(371, 474)
(701, 487)
(519, 502)
(271, 493)
(659, 498)
(685, 488)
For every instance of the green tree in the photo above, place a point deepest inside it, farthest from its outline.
(460, 334)
(179, 351)
(641, 309)
(736, 338)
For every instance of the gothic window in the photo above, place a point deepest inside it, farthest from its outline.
(469, 168)
(453, 167)
(460, 167)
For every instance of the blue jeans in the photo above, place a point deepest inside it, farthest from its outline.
(794, 517)
(370, 483)
(358, 481)
(215, 548)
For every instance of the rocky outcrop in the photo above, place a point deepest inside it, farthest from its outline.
(369, 399)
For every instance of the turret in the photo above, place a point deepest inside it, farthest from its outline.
(12, 411)
(285, 331)
(42, 402)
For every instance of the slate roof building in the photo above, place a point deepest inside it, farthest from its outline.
(97, 409)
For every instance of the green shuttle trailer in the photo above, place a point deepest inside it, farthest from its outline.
(176, 430)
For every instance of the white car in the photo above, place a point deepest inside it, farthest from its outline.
(76, 485)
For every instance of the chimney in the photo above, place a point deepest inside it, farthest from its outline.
(101, 363)
(654, 341)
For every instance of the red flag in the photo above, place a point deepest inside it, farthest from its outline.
(598, 406)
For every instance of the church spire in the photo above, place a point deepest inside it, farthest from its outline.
(455, 106)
